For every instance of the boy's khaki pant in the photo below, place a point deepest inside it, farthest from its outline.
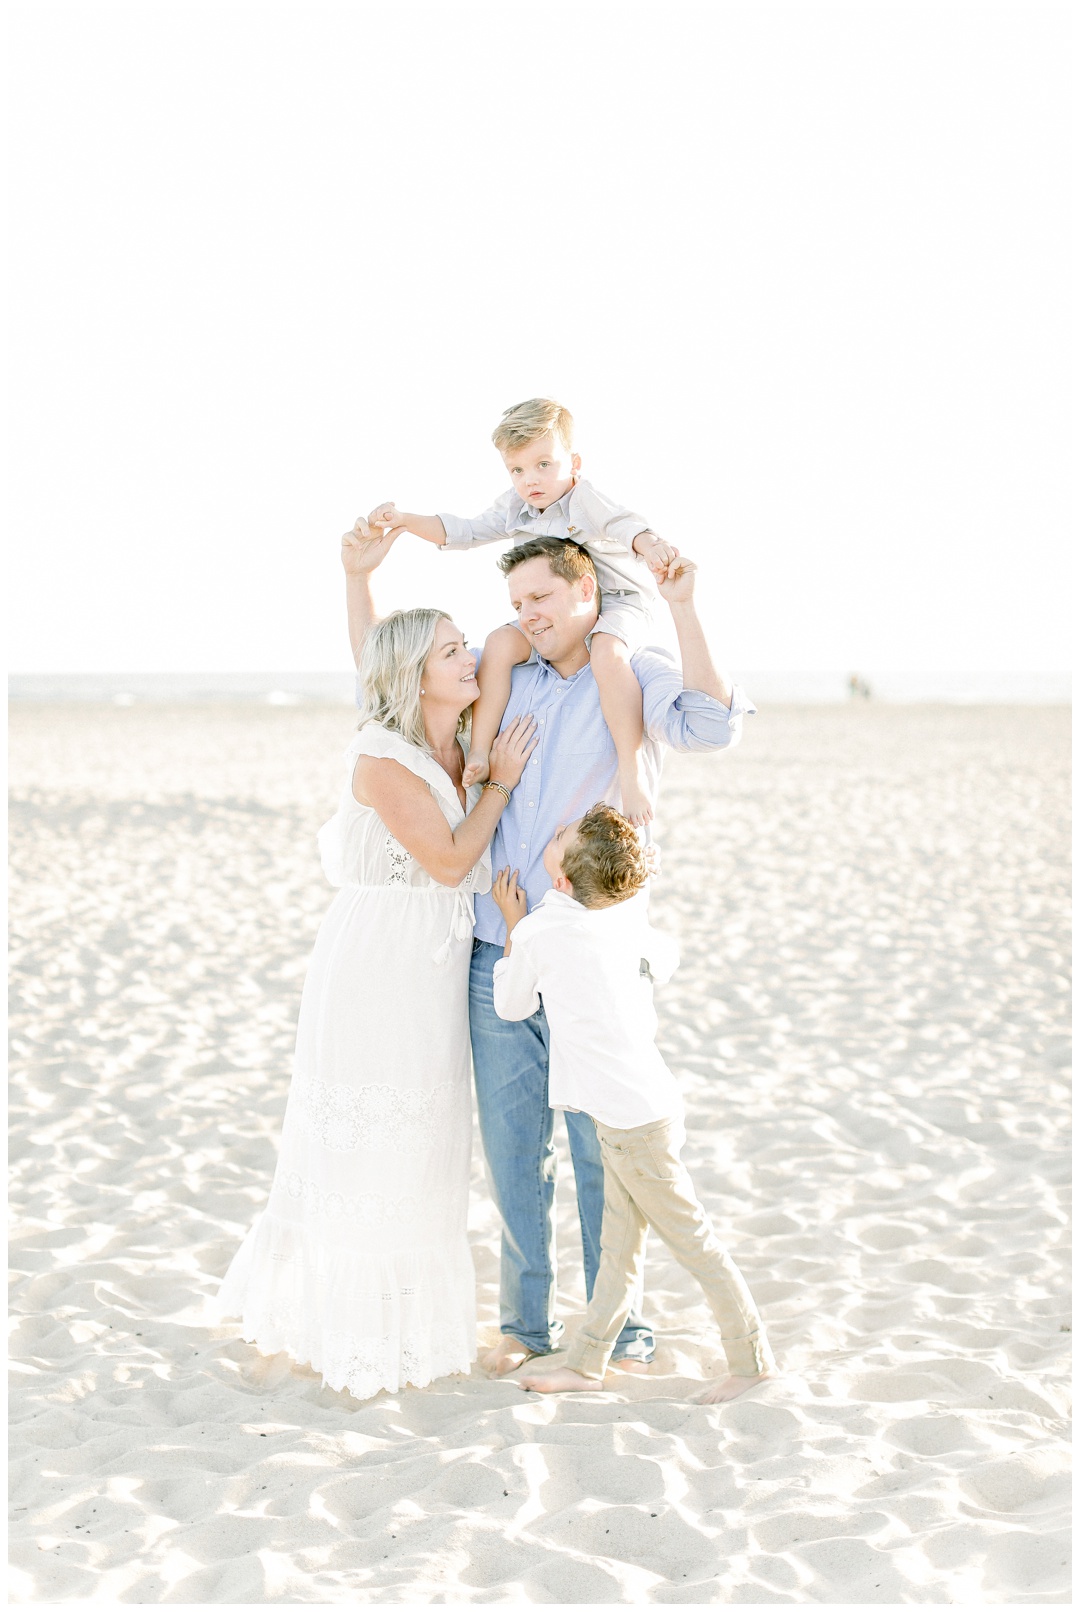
(647, 1184)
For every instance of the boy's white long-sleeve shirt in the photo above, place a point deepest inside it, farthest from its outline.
(586, 965)
(605, 528)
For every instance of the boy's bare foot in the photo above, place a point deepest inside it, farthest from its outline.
(636, 801)
(476, 768)
(563, 1381)
(725, 1388)
(636, 1368)
(507, 1355)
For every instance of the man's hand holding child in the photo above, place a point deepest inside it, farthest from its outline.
(676, 581)
(657, 554)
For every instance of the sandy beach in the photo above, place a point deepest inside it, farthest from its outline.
(870, 1025)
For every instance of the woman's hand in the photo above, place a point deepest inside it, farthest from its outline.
(509, 898)
(511, 751)
(364, 550)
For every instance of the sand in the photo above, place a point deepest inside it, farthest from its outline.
(870, 1024)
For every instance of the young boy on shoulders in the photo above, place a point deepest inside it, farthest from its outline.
(589, 952)
(548, 498)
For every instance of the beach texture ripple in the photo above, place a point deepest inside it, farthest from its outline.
(870, 1025)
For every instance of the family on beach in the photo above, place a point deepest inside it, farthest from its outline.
(540, 758)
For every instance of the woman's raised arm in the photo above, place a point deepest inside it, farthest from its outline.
(362, 551)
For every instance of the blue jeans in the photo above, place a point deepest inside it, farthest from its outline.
(511, 1063)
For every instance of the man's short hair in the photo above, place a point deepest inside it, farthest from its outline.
(566, 558)
(536, 418)
(606, 861)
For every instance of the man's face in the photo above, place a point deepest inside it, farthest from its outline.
(541, 471)
(557, 847)
(555, 615)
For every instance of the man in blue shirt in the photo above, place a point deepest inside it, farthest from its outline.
(554, 593)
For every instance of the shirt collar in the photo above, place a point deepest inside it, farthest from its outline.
(523, 512)
(546, 667)
(559, 899)
(619, 915)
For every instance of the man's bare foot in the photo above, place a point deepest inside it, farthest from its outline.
(507, 1355)
(725, 1388)
(563, 1381)
(636, 801)
(476, 768)
(636, 1368)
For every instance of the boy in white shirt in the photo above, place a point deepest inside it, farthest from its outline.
(548, 498)
(590, 952)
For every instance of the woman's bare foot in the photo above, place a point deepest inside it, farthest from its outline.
(507, 1355)
(725, 1388)
(476, 768)
(563, 1381)
(637, 1368)
(636, 801)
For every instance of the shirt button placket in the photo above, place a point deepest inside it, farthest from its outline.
(531, 805)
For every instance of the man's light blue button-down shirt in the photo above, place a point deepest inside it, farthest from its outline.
(574, 764)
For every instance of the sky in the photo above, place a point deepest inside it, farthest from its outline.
(800, 271)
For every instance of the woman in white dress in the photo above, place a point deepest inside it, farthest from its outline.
(359, 1264)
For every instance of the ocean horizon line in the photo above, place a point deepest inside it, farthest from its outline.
(794, 687)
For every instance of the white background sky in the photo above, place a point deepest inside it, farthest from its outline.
(799, 270)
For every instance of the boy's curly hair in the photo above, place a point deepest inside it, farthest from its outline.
(606, 862)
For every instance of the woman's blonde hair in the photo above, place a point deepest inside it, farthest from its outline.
(391, 668)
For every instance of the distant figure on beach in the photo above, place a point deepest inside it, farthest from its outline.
(360, 1262)
(690, 706)
(547, 497)
(858, 688)
(588, 952)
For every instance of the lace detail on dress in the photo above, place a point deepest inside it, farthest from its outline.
(365, 1208)
(347, 1117)
(399, 861)
(360, 1264)
(366, 1365)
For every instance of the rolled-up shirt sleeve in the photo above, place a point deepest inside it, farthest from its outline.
(684, 718)
(462, 532)
(515, 985)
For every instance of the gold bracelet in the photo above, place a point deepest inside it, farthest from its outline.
(493, 783)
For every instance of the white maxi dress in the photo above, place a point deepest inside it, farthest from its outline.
(360, 1264)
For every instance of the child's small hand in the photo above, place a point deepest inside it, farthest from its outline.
(384, 515)
(660, 555)
(509, 897)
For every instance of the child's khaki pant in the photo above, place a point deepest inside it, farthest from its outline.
(646, 1184)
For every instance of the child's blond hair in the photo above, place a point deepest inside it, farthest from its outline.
(605, 862)
(536, 418)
